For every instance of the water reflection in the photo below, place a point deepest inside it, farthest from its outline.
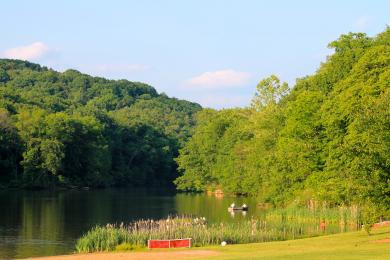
(37, 223)
(48, 223)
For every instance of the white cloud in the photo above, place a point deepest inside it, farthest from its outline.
(362, 22)
(220, 78)
(33, 51)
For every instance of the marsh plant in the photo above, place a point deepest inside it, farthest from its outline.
(275, 225)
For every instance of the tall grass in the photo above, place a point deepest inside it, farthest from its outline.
(275, 225)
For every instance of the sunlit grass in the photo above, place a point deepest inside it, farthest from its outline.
(275, 225)
(351, 245)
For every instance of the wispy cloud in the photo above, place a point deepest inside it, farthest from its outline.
(114, 70)
(120, 68)
(224, 101)
(220, 78)
(33, 51)
(363, 22)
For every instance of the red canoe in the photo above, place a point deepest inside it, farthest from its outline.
(169, 243)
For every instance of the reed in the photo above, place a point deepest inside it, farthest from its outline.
(275, 225)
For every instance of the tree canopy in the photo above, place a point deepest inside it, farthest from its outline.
(73, 129)
(328, 138)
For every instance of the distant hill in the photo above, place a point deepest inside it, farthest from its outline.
(73, 129)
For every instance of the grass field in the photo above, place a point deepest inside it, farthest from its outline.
(353, 245)
(274, 225)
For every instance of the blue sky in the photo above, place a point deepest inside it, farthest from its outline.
(212, 52)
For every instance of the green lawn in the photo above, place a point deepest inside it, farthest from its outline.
(354, 245)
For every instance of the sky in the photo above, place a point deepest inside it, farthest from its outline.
(213, 52)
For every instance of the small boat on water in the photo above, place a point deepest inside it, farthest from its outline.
(233, 207)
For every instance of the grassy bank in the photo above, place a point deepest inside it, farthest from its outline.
(276, 225)
(351, 245)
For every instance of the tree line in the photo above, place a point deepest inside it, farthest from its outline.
(71, 129)
(327, 138)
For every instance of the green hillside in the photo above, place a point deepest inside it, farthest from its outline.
(73, 129)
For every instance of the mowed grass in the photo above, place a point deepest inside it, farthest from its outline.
(353, 245)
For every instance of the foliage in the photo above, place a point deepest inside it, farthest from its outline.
(73, 129)
(274, 226)
(9, 148)
(269, 91)
(211, 146)
(327, 139)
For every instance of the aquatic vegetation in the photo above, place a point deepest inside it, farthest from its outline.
(275, 225)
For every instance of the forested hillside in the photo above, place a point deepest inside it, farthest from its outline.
(327, 138)
(72, 129)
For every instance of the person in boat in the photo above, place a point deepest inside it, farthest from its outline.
(244, 206)
(232, 205)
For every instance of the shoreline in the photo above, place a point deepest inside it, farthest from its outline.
(136, 255)
(355, 244)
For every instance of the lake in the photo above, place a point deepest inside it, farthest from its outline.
(39, 223)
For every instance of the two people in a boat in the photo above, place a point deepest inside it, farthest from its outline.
(233, 205)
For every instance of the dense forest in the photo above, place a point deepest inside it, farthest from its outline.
(327, 138)
(70, 129)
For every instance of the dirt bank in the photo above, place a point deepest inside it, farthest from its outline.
(166, 255)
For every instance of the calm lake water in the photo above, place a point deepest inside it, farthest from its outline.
(39, 223)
